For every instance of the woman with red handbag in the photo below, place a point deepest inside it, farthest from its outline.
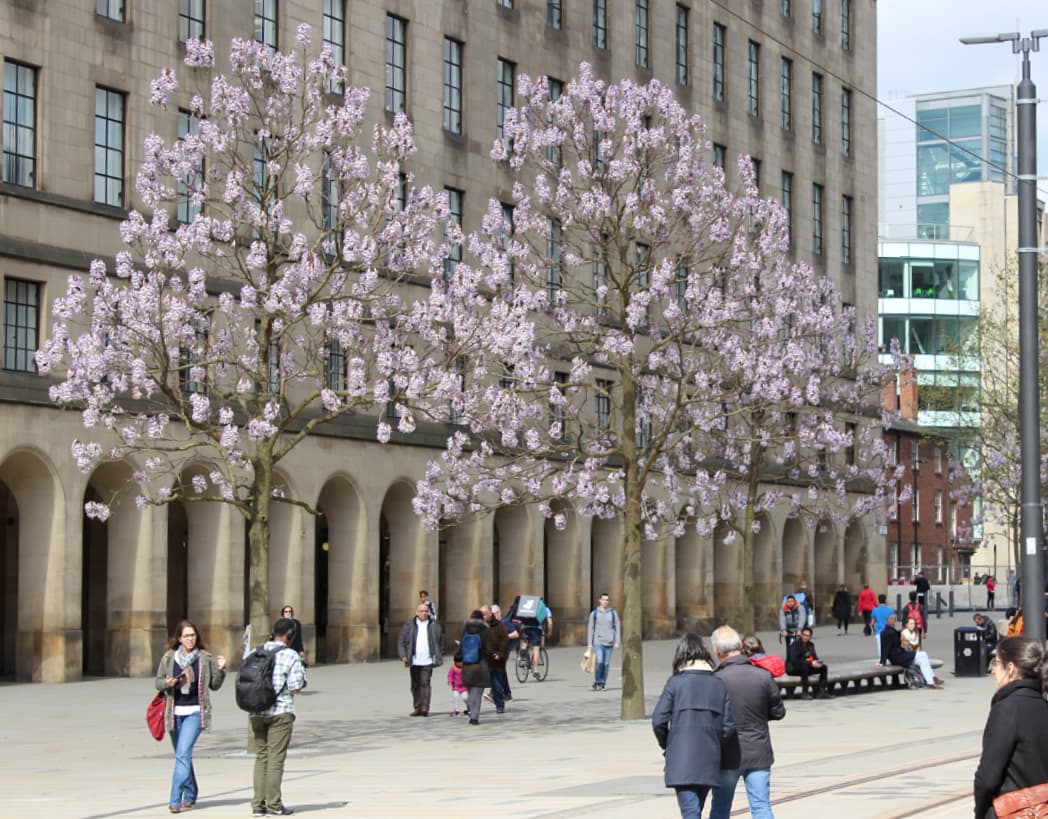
(187, 675)
(1013, 768)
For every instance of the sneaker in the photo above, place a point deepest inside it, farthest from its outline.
(596, 686)
(488, 697)
(474, 722)
(283, 810)
(507, 698)
(806, 696)
(500, 710)
(258, 811)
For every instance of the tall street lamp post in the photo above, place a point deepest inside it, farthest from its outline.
(1033, 575)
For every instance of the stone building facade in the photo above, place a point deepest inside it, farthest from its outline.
(790, 83)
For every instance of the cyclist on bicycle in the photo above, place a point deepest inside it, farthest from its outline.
(536, 617)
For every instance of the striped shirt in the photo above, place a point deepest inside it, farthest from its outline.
(288, 675)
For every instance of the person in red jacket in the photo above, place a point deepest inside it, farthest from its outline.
(867, 603)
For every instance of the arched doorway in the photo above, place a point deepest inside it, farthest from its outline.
(8, 581)
(94, 596)
(177, 607)
(826, 568)
(321, 574)
(405, 565)
(855, 558)
(511, 554)
(560, 570)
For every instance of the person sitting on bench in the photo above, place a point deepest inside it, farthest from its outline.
(803, 660)
(892, 653)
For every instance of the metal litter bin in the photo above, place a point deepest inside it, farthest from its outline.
(969, 652)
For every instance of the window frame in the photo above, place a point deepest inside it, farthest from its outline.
(847, 207)
(456, 205)
(786, 93)
(817, 223)
(720, 40)
(396, 101)
(846, 121)
(681, 45)
(185, 210)
(12, 153)
(192, 20)
(22, 302)
(114, 10)
(786, 199)
(505, 92)
(108, 150)
(600, 24)
(753, 78)
(845, 25)
(816, 16)
(453, 64)
(267, 15)
(555, 14)
(817, 83)
(642, 30)
(334, 35)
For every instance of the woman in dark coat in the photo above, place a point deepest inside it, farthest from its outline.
(842, 608)
(1015, 739)
(691, 720)
(476, 676)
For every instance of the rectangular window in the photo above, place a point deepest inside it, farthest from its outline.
(329, 197)
(336, 366)
(937, 506)
(452, 86)
(915, 507)
(915, 460)
(554, 154)
(846, 229)
(21, 324)
(553, 260)
(19, 124)
(600, 276)
(455, 218)
(507, 234)
(682, 45)
(719, 35)
(849, 450)
(816, 108)
(787, 203)
(260, 168)
(113, 9)
(554, 14)
(600, 23)
(188, 209)
(845, 24)
(816, 220)
(640, 13)
(266, 23)
(109, 147)
(816, 16)
(642, 280)
(335, 37)
(937, 458)
(602, 401)
(753, 79)
(784, 8)
(190, 20)
(719, 152)
(274, 368)
(557, 413)
(506, 4)
(396, 63)
(846, 129)
(787, 93)
(755, 164)
(188, 360)
(505, 88)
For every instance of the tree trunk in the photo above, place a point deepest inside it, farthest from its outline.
(749, 605)
(632, 705)
(258, 543)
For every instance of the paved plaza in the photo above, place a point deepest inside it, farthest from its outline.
(560, 750)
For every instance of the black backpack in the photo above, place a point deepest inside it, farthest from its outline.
(254, 689)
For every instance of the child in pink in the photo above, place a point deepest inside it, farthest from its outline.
(458, 689)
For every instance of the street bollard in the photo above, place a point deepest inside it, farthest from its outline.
(951, 602)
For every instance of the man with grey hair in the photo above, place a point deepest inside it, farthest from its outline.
(756, 700)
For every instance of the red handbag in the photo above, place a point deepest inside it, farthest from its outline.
(1029, 803)
(155, 716)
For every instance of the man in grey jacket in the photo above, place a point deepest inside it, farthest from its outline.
(420, 645)
(756, 700)
(604, 636)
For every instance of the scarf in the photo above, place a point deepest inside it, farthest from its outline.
(187, 663)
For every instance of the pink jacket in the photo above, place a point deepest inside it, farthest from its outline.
(455, 678)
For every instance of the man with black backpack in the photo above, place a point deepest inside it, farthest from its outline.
(604, 636)
(268, 678)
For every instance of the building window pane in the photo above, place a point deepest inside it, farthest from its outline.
(846, 128)
(506, 235)
(784, 8)
(190, 20)
(336, 366)
(506, 4)
(816, 108)
(816, 220)
(113, 9)
(816, 16)
(505, 87)
(600, 23)
(719, 153)
(266, 23)
(845, 24)
(188, 207)
(602, 409)
(109, 147)
(455, 218)
(554, 154)
(753, 79)
(641, 27)
(19, 124)
(335, 37)
(452, 86)
(682, 45)
(330, 196)
(787, 203)
(21, 324)
(787, 93)
(396, 63)
(553, 260)
(554, 13)
(719, 34)
(846, 229)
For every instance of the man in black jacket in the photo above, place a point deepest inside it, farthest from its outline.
(755, 699)
(892, 653)
(803, 660)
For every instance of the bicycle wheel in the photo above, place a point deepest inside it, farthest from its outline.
(543, 669)
(522, 667)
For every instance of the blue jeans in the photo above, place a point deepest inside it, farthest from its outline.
(758, 792)
(498, 693)
(183, 738)
(690, 799)
(600, 671)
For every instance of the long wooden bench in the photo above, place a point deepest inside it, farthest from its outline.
(857, 674)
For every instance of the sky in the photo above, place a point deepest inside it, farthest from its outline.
(918, 50)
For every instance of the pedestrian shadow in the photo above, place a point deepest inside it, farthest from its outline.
(202, 806)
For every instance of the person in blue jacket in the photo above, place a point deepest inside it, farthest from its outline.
(691, 721)
(879, 619)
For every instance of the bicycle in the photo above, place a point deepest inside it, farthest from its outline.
(523, 665)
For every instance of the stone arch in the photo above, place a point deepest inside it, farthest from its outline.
(766, 586)
(560, 562)
(404, 565)
(340, 566)
(513, 539)
(827, 567)
(727, 577)
(690, 561)
(119, 628)
(607, 546)
(855, 557)
(794, 555)
(8, 581)
(45, 629)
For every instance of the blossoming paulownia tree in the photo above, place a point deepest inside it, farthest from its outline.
(663, 310)
(280, 300)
